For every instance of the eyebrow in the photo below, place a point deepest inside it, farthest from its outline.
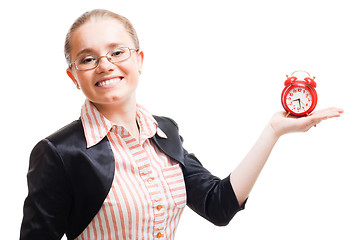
(86, 50)
(90, 50)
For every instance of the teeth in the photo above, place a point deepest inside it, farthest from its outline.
(107, 82)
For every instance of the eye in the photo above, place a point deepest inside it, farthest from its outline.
(117, 52)
(87, 60)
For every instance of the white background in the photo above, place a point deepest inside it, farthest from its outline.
(217, 68)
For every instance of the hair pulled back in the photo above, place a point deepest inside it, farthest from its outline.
(97, 14)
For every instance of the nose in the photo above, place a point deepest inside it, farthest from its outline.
(104, 65)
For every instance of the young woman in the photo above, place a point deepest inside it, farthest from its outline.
(118, 172)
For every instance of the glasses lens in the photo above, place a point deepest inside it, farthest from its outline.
(91, 61)
(86, 62)
(118, 54)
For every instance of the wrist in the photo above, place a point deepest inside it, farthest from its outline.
(272, 132)
(280, 124)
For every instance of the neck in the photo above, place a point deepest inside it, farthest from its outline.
(123, 114)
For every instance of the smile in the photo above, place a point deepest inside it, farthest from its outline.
(108, 82)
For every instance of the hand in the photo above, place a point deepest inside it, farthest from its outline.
(282, 125)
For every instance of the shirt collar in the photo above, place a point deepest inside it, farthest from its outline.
(147, 124)
(96, 126)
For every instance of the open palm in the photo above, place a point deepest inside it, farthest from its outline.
(282, 124)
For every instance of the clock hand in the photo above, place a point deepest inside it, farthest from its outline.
(298, 101)
(302, 102)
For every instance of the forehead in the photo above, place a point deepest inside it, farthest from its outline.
(100, 34)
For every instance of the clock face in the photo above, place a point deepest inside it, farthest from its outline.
(298, 100)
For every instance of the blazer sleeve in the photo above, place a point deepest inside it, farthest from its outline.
(47, 205)
(209, 196)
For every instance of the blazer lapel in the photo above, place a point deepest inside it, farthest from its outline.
(172, 145)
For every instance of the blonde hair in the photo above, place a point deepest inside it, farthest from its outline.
(97, 13)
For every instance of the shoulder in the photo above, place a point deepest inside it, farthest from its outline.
(166, 122)
(74, 128)
(63, 142)
(169, 126)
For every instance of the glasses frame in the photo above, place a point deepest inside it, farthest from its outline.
(106, 55)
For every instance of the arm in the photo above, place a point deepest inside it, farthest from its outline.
(246, 173)
(209, 196)
(47, 205)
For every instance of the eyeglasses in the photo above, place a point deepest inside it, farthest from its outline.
(89, 62)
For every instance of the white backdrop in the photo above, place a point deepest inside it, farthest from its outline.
(217, 68)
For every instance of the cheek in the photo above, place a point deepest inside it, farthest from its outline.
(131, 68)
(136, 61)
(84, 79)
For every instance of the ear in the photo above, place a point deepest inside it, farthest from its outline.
(69, 73)
(140, 59)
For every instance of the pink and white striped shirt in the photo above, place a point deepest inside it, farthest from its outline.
(148, 195)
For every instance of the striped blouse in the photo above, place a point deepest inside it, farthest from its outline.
(147, 196)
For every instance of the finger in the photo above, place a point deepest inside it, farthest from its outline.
(327, 113)
(314, 119)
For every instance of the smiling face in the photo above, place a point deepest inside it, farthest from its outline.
(108, 83)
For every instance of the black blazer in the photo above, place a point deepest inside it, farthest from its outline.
(68, 182)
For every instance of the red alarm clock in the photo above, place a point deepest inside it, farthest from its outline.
(299, 96)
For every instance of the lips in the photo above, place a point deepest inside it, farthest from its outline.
(108, 81)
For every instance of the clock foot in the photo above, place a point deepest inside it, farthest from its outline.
(287, 114)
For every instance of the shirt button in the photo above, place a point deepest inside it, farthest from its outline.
(150, 180)
(158, 235)
(158, 207)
